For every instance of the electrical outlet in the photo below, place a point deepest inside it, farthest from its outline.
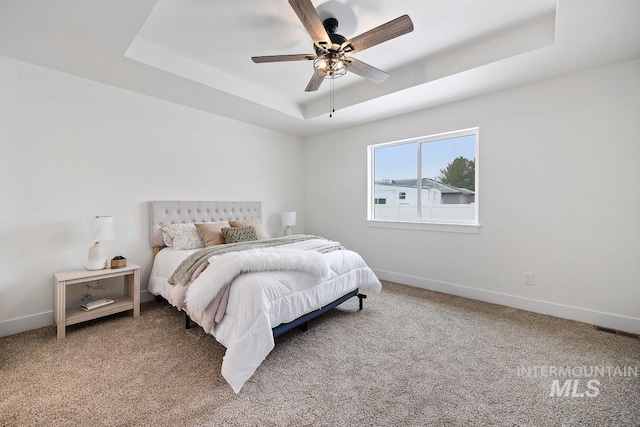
(527, 278)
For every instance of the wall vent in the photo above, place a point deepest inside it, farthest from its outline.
(615, 331)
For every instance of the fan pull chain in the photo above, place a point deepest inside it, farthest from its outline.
(331, 100)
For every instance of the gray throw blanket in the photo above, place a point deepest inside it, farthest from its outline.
(185, 270)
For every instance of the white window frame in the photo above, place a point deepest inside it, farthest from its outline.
(455, 227)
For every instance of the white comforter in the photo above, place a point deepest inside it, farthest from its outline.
(261, 301)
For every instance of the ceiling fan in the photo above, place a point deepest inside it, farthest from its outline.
(332, 51)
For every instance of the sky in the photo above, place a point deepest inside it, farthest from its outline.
(399, 161)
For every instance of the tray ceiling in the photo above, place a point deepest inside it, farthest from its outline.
(197, 52)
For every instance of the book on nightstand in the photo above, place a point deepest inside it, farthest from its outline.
(92, 305)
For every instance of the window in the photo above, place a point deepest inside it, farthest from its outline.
(426, 180)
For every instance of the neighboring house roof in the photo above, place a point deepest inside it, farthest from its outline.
(427, 183)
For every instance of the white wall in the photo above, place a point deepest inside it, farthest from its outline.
(71, 147)
(554, 143)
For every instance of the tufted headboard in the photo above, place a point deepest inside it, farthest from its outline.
(163, 213)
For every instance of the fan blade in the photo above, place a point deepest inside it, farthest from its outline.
(383, 33)
(283, 58)
(315, 82)
(311, 21)
(366, 71)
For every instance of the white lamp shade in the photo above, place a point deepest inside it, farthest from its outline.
(288, 219)
(97, 228)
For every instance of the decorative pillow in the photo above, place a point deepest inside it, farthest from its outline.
(211, 232)
(181, 236)
(240, 234)
(255, 222)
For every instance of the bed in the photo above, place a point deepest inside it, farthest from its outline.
(261, 303)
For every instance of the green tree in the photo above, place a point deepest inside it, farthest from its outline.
(461, 173)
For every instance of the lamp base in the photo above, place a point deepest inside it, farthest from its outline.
(287, 231)
(96, 260)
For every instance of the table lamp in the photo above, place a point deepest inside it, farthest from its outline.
(97, 229)
(288, 220)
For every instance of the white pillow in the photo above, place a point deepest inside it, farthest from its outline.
(182, 236)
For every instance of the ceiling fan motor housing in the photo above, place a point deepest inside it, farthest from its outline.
(331, 26)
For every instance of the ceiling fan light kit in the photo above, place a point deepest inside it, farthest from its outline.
(331, 49)
(331, 65)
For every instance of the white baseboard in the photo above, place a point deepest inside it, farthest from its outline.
(607, 320)
(42, 320)
(26, 323)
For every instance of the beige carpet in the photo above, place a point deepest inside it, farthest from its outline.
(412, 357)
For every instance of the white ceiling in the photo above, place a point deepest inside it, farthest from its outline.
(197, 52)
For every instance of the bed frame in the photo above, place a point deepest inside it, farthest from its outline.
(163, 213)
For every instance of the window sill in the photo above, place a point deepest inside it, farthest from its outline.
(426, 226)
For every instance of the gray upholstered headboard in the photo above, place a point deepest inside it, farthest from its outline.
(163, 213)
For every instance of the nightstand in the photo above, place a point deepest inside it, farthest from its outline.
(72, 315)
